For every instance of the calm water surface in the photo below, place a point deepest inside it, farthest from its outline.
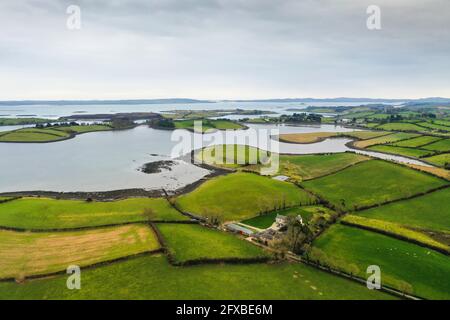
(103, 161)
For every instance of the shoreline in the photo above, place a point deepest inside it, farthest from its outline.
(120, 194)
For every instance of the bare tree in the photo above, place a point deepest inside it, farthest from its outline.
(149, 214)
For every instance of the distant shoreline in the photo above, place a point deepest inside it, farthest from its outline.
(186, 100)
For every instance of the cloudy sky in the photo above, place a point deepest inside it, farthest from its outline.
(223, 49)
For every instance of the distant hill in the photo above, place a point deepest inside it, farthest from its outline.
(421, 101)
(309, 100)
(100, 102)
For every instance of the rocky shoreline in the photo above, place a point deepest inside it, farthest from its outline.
(125, 193)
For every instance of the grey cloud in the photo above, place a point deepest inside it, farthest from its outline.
(224, 49)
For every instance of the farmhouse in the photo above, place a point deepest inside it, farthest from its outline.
(239, 229)
(281, 222)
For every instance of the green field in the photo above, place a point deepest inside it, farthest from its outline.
(32, 135)
(42, 213)
(396, 230)
(408, 152)
(431, 211)
(356, 115)
(372, 182)
(363, 135)
(23, 253)
(312, 166)
(378, 116)
(84, 128)
(441, 160)
(434, 126)
(442, 146)
(232, 156)
(188, 242)
(442, 122)
(385, 139)
(239, 196)
(152, 277)
(22, 121)
(416, 142)
(208, 124)
(371, 125)
(427, 271)
(52, 134)
(401, 126)
(297, 167)
(266, 220)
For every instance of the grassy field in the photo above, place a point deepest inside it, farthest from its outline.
(22, 121)
(416, 142)
(385, 139)
(266, 220)
(232, 156)
(363, 135)
(42, 213)
(409, 152)
(305, 138)
(431, 211)
(208, 124)
(152, 277)
(226, 125)
(84, 129)
(396, 230)
(401, 126)
(297, 167)
(440, 160)
(439, 172)
(48, 134)
(434, 126)
(357, 115)
(442, 146)
(372, 182)
(311, 166)
(442, 122)
(187, 242)
(32, 135)
(239, 196)
(23, 254)
(427, 271)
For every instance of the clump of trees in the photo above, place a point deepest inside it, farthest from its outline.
(149, 214)
(163, 123)
(297, 234)
(122, 123)
(318, 256)
(301, 118)
(58, 124)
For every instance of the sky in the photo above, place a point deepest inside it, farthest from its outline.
(223, 49)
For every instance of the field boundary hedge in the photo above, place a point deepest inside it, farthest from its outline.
(10, 199)
(199, 261)
(416, 195)
(231, 260)
(187, 214)
(88, 267)
(342, 169)
(395, 236)
(102, 196)
(343, 274)
(141, 222)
